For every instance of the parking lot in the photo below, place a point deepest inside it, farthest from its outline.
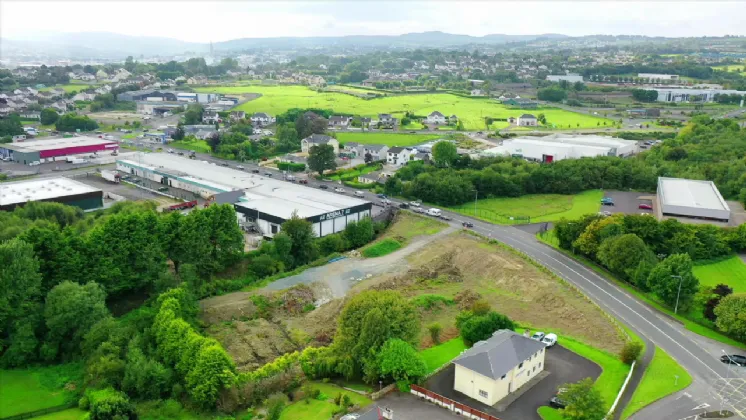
(563, 366)
(628, 202)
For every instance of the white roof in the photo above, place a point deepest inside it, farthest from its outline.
(271, 196)
(60, 143)
(41, 189)
(690, 193)
(580, 140)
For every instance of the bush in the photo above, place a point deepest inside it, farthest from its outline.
(475, 328)
(631, 352)
(292, 167)
(429, 301)
(108, 404)
(434, 330)
(275, 404)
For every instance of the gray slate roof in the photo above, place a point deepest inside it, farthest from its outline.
(374, 147)
(527, 116)
(318, 139)
(396, 150)
(436, 114)
(500, 353)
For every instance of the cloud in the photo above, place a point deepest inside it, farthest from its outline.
(219, 21)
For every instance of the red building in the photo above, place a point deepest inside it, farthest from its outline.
(55, 149)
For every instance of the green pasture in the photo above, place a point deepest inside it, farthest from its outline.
(278, 99)
(731, 272)
(387, 139)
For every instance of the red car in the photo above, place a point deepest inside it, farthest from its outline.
(645, 207)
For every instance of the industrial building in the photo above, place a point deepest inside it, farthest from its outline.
(677, 94)
(658, 76)
(691, 198)
(28, 152)
(562, 146)
(58, 190)
(570, 78)
(265, 201)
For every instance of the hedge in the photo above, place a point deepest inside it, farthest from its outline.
(292, 167)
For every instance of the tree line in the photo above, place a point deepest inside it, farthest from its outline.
(705, 149)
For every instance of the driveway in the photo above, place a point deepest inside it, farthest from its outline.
(563, 366)
(409, 407)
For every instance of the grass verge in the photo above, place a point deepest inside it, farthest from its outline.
(549, 413)
(549, 239)
(437, 356)
(533, 208)
(658, 381)
(379, 249)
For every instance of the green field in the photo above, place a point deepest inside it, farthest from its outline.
(443, 353)
(731, 272)
(69, 88)
(390, 140)
(69, 414)
(733, 68)
(199, 146)
(658, 381)
(25, 390)
(321, 410)
(278, 99)
(537, 207)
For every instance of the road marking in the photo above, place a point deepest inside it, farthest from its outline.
(701, 406)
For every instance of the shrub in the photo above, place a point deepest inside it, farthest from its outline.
(631, 352)
(275, 404)
(434, 330)
(476, 328)
(429, 301)
(292, 167)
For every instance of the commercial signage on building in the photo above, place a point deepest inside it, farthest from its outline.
(334, 214)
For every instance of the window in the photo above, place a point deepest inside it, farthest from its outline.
(539, 365)
(520, 366)
(275, 228)
(483, 394)
(534, 369)
(502, 377)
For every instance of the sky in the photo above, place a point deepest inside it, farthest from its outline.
(203, 21)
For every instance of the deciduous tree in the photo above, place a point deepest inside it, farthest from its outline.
(672, 278)
(731, 316)
(583, 400)
(321, 158)
(444, 153)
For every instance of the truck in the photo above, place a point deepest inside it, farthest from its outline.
(181, 206)
(111, 176)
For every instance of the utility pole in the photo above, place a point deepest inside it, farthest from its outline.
(476, 194)
(681, 280)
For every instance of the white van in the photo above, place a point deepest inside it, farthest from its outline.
(434, 212)
(359, 193)
(549, 339)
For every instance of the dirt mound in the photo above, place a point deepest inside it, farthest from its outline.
(466, 298)
(254, 343)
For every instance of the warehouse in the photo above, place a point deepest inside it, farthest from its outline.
(562, 146)
(691, 198)
(51, 150)
(570, 78)
(58, 190)
(266, 202)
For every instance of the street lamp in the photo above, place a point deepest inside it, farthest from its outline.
(476, 194)
(681, 280)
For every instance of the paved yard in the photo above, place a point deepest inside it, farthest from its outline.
(563, 366)
(409, 407)
(627, 202)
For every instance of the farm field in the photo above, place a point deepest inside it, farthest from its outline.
(533, 208)
(658, 381)
(731, 272)
(278, 99)
(733, 68)
(25, 390)
(390, 140)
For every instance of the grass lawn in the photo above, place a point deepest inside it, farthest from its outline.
(379, 249)
(199, 146)
(278, 99)
(25, 390)
(549, 413)
(69, 414)
(658, 381)
(390, 140)
(614, 371)
(733, 68)
(69, 88)
(321, 410)
(354, 173)
(443, 353)
(538, 207)
(689, 323)
(731, 272)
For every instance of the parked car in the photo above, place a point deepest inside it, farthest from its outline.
(550, 339)
(268, 174)
(434, 212)
(170, 150)
(324, 187)
(606, 213)
(386, 201)
(351, 416)
(415, 203)
(303, 181)
(467, 224)
(223, 163)
(645, 206)
(255, 171)
(403, 205)
(163, 189)
(556, 402)
(181, 153)
(446, 218)
(418, 209)
(538, 336)
(359, 193)
(607, 201)
(733, 359)
(339, 190)
(240, 167)
(381, 196)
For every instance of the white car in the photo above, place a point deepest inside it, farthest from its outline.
(240, 167)
(359, 193)
(339, 190)
(550, 339)
(415, 203)
(538, 336)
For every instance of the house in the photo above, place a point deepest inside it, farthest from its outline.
(436, 118)
(365, 121)
(498, 366)
(58, 92)
(261, 119)
(351, 148)
(238, 115)
(101, 75)
(521, 103)
(477, 92)
(453, 119)
(386, 120)
(316, 140)
(422, 156)
(371, 178)
(399, 156)
(84, 96)
(210, 117)
(30, 115)
(339, 121)
(377, 151)
(527, 120)
(87, 77)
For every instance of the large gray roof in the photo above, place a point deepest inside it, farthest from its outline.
(500, 353)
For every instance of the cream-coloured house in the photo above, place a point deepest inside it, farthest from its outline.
(498, 366)
(317, 140)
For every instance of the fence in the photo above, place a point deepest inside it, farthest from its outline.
(456, 407)
(495, 217)
(43, 411)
